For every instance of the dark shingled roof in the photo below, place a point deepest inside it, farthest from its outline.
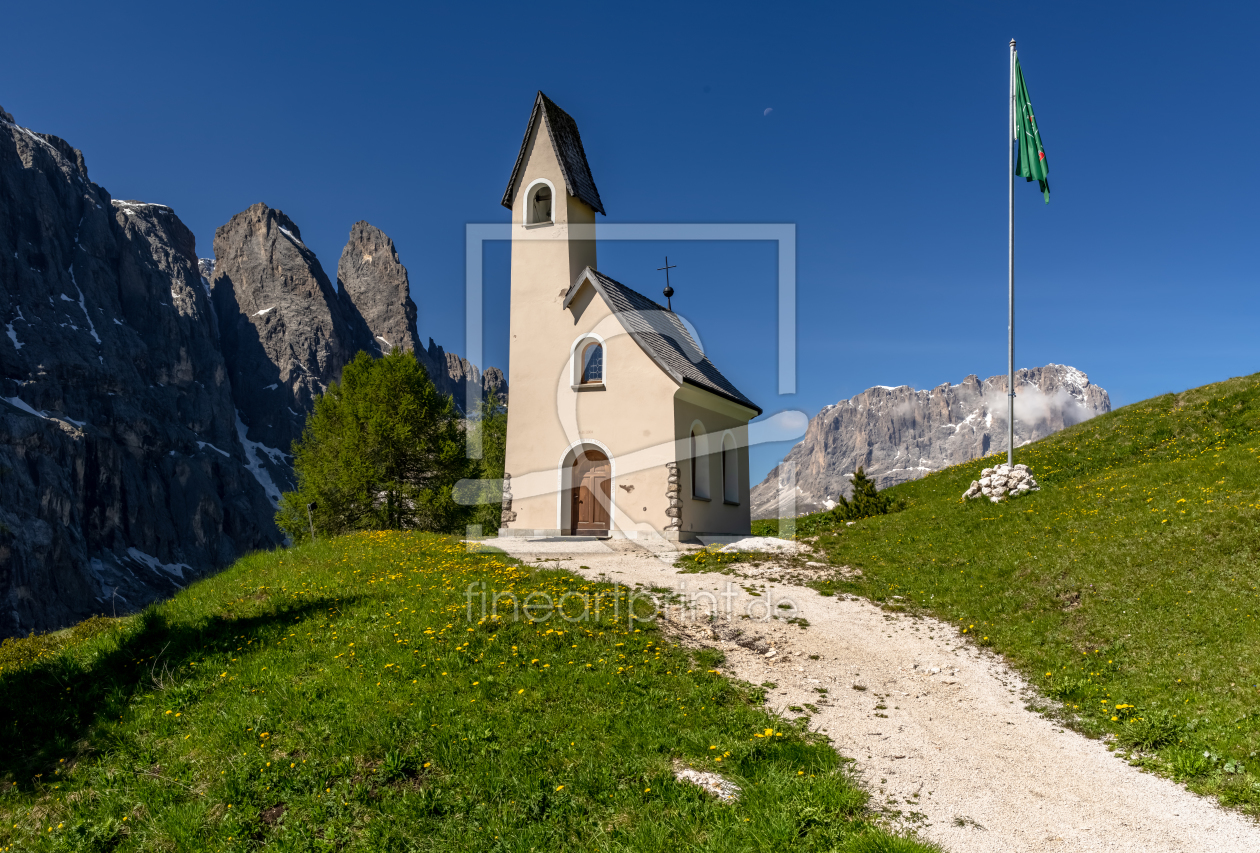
(661, 334)
(565, 139)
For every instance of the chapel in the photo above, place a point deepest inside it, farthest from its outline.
(619, 424)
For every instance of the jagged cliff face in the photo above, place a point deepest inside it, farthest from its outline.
(376, 284)
(285, 332)
(121, 474)
(147, 398)
(900, 434)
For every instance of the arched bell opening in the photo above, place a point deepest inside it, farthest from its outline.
(538, 205)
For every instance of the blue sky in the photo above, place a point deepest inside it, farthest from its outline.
(884, 145)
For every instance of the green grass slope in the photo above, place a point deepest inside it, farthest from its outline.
(339, 697)
(1127, 589)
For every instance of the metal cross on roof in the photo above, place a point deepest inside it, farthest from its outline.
(668, 291)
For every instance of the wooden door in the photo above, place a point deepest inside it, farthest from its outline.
(592, 495)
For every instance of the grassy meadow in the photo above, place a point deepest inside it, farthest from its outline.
(337, 696)
(1127, 589)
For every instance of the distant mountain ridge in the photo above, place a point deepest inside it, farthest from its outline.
(901, 434)
(148, 398)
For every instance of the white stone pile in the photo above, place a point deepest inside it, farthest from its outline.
(761, 543)
(1002, 482)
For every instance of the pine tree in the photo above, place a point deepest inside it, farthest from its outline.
(866, 501)
(382, 449)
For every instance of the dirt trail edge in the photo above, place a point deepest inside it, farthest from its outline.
(939, 729)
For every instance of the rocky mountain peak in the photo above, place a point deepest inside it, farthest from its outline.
(376, 283)
(377, 289)
(284, 332)
(899, 434)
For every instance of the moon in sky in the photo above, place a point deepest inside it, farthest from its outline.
(768, 111)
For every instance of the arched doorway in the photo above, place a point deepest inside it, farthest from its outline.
(591, 495)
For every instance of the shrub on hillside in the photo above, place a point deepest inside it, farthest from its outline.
(382, 450)
(866, 501)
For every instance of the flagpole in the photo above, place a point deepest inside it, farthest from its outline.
(1010, 272)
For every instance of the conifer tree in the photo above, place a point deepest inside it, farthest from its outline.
(382, 449)
(866, 501)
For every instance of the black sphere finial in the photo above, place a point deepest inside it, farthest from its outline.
(668, 291)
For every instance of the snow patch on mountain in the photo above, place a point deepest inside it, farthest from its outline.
(173, 569)
(257, 456)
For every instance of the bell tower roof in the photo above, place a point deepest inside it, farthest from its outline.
(566, 141)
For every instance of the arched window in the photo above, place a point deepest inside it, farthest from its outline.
(592, 363)
(588, 367)
(699, 465)
(730, 470)
(538, 206)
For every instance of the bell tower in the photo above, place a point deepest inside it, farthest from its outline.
(553, 200)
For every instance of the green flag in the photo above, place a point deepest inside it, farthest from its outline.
(1031, 162)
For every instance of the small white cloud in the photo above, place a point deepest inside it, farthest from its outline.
(782, 426)
(1033, 406)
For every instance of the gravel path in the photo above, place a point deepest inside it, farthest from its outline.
(951, 746)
